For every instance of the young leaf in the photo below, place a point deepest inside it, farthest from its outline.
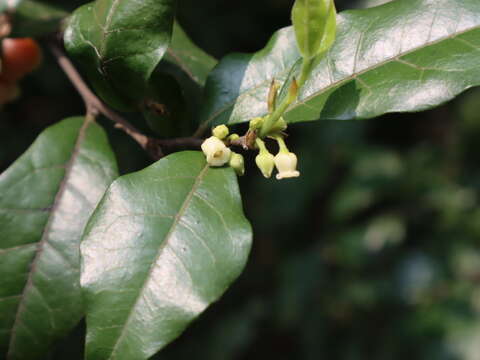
(163, 244)
(46, 198)
(407, 55)
(119, 43)
(192, 60)
(314, 22)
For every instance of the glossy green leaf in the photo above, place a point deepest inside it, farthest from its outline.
(314, 22)
(119, 44)
(407, 55)
(192, 60)
(163, 244)
(46, 198)
(33, 19)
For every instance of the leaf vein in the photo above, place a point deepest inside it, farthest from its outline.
(194, 233)
(178, 217)
(2, 251)
(338, 82)
(220, 215)
(183, 65)
(44, 239)
(386, 61)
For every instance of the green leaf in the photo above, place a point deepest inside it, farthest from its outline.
(33, 19)
(164, 105)
(189, 66)
(46, 198)
(163, 244)
(407, 55)
(192, 60)
(119, 43)
(314, 22)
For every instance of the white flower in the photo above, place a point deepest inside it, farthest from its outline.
(286, 163)
(217, 153)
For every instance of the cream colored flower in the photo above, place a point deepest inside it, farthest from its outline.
(264, 159)
(265, 163)
(217, 153)
(286, 163)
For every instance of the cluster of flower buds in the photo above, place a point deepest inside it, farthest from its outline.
(315, 23)
(271, 126)
(219, 154)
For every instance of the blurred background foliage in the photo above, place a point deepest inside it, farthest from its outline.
(371, 254)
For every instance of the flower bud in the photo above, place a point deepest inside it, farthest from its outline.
(272, 96)
(286, 163)
(280, 125)
(220, 132)
(233, 137)
(264, 159)
(237, 163)
(256, 123)
(265, 162)
(292, 91)
(216, 151)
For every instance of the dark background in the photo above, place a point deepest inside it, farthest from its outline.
(371, 254)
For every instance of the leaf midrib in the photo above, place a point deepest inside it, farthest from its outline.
(182, 64)
(336, 83)
(105, 27)
(386, 61)
(46, 231)
(163, 245)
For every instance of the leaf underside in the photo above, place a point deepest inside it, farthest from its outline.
(46, 198)
(407, 55)
(163, 244)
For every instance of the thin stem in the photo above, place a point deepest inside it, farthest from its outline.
(305, 71)
(185, 142)
(281, 144)
(94, 106)
(271, 120)
(92, 102)
(202, 128)
(261, 145)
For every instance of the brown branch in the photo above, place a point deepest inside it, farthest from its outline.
(201, 130)
(178, 143)
(156, 148)
(95, 106)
